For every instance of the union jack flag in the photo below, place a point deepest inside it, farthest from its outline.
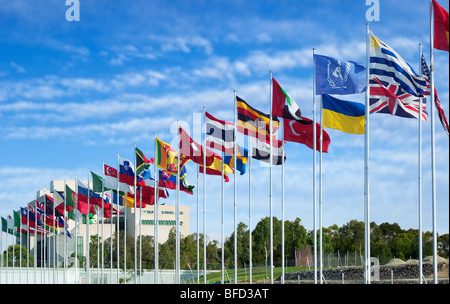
(426, 73)
(392, 99)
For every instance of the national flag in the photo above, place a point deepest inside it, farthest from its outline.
(334, 76)
(442, 117)
(441, 24)
(304, 134)
(387, 65)
(216, 168)
(169, 181)
(261, 151)
(219, 134)
(253, 122)
(58, 200)
(142, 162)
(392, 99)
(241, 160)
(194, 151)
(167, 157)
(347, 116)
(283, 105)
(85, 194)
(126, 172)
(110, 181)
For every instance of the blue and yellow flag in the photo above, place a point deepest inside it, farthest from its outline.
(347, 116)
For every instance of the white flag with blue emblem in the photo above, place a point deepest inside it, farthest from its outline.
(387, 65)
(338, 77)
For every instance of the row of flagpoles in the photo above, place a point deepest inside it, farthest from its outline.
(390, 85)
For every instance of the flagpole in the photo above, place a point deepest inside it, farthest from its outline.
(118, 219)
(222, 220)
(87, 234)
(103, 210)
(270, 186)
(235, 193)
(314, 174)
(155, 219)
(366, 168)
(65, 236)
(134, 225)
(177, 218)
(282, 211)
(433, 152)
(250, 154)
(198, 224)
(420, 173)
(204, 195)
(76, 228)
(320, 193)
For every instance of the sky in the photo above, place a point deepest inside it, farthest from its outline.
(75, 94)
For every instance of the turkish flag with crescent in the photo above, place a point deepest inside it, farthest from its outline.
(304, 134)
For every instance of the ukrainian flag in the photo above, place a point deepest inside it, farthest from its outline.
(347, 116)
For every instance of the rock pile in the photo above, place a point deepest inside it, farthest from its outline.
(395, 272)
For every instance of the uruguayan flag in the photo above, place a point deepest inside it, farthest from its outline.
(387, 65)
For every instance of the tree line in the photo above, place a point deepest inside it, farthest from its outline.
(386, 241)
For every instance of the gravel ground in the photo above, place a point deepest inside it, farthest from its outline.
(394, 272)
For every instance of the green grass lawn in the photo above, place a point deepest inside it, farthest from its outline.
(258, 274)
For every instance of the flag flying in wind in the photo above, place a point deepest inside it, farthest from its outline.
(216, 168)
(142, 162)
(167, 157)
(338, 77)
(442, 117)
(253, 122)
(169, 181)
(194, 151)
(284, 106)
(110, 181)
(441, 23)
(304, 134)
(347, 116)
(126, 172)
(387, 65)
(261, 151)
(219, 134)
(392, 99)
(241, 160)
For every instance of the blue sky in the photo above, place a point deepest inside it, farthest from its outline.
(74, 94)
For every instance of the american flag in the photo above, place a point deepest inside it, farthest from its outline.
(392, 99)
(427, 74)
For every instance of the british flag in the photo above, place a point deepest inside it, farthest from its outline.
(392, 99)
(426, 73)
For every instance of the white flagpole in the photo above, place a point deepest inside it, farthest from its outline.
(177, 217)
(76, 227)
(420, 173)
(222, 220)
(235, 192)
(204, 195)
(134, 225)
(433, 152)
(65, 236)
(155, 219)
(366, 168)
(270, 186)
(103, 218)
(87, 234)
(320, 194)
(282, 212)
(118, 219)
(250, 154)
(314, 174)
(198, 224)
